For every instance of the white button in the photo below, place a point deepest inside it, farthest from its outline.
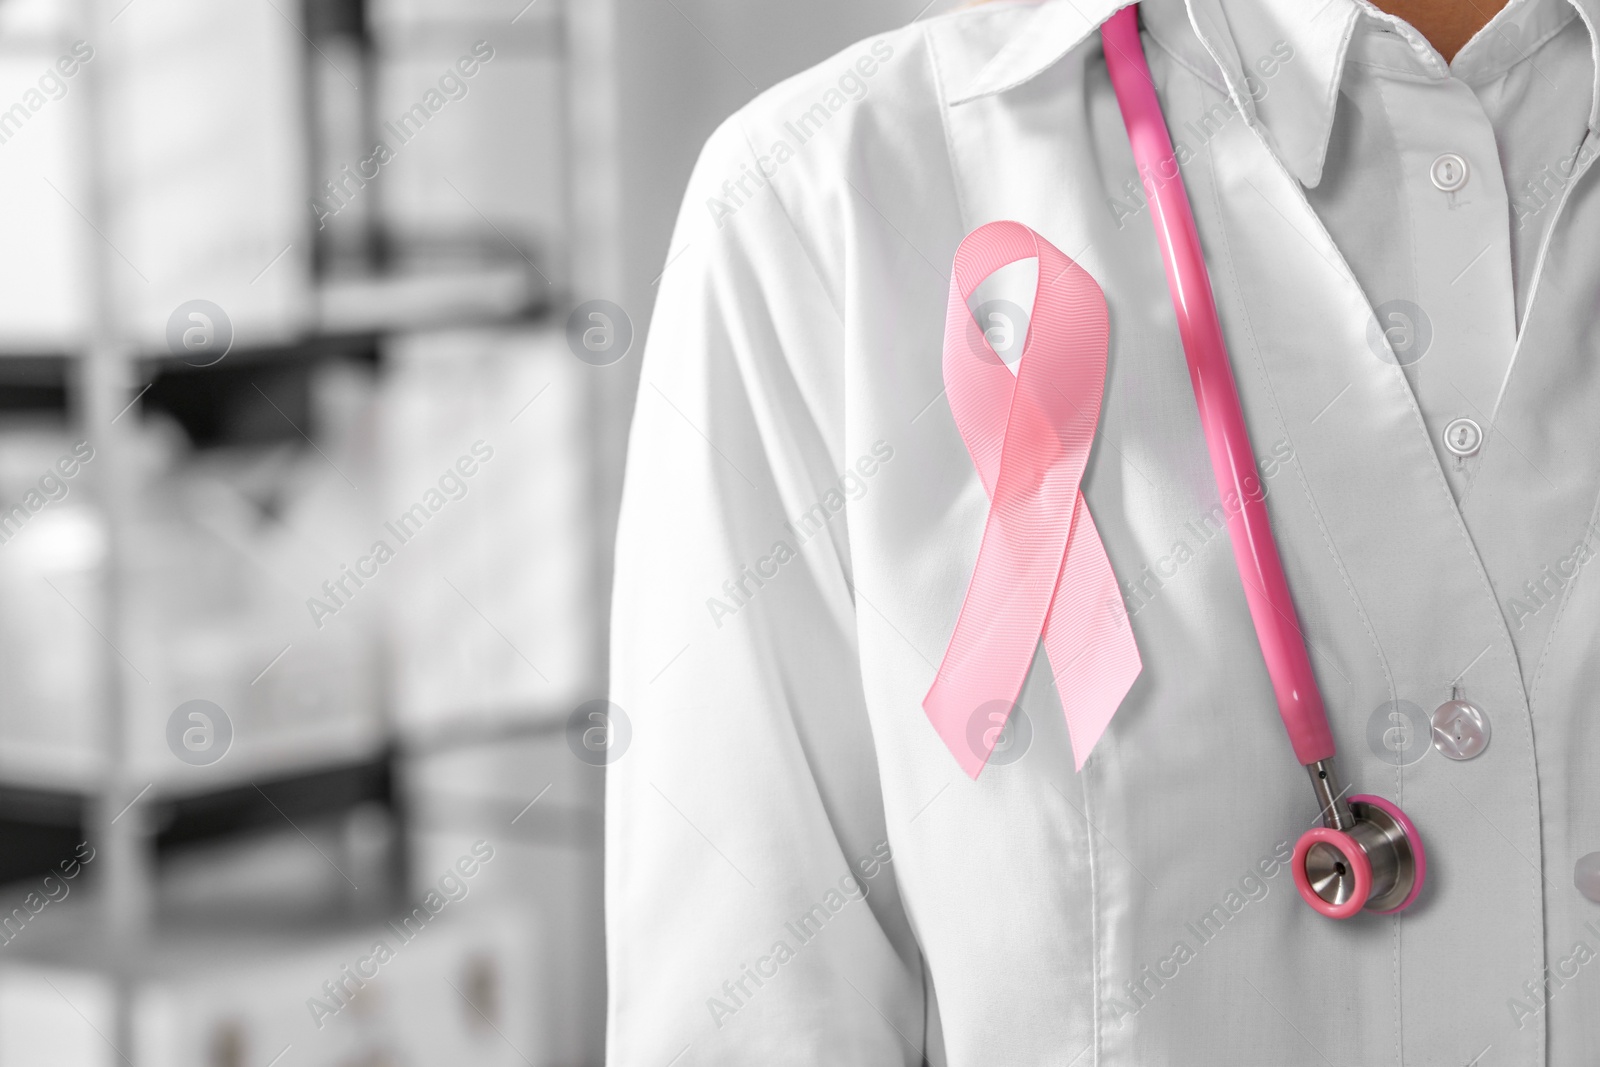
(1449, 172)
(1460, 729)
(1463, 437)
(1587, 876)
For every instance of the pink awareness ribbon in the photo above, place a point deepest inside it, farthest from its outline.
(1041, 570)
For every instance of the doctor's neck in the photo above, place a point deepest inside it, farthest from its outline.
(1447, 24)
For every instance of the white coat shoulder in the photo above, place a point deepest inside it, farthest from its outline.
(866, 124)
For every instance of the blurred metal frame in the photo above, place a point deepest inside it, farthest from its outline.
(124, 820)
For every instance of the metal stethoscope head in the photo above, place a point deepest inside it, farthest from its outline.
(1366, 855)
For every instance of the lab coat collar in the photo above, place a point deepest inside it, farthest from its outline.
(1054, 28)
(1516, 31)
(1221, 40)
(1511, 37)
(1225, 41)
(1589, 11)
(1291, 101)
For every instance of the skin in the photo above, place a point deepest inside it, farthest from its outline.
(1447, 24)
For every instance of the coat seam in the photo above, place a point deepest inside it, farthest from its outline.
(942, 106)
(1594, 511)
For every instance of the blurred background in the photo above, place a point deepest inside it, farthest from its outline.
(320, 324)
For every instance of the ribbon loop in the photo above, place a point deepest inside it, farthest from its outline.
(1042, 570)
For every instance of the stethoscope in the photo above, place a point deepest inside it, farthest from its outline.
(1366, 855)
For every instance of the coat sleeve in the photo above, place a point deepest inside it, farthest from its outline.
(752, 912)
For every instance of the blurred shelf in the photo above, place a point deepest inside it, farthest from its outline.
(39, 827)
(86, 773)
(196, 810)
(43, 369)
(400, 303)
(346, 310)
(470, 730)
(187, 818)
(311, 346)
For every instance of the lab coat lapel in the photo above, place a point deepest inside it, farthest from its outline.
(1312, 366)
(1532, 505)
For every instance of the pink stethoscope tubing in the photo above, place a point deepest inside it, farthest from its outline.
(1343, 845)
(1254, 550)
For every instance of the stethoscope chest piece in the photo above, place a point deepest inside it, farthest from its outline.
(1369, 858)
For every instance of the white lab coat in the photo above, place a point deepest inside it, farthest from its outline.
(797, 870)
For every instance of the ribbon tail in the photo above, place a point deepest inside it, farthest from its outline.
(997, 632)
(1088, 638)
(952, 711)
